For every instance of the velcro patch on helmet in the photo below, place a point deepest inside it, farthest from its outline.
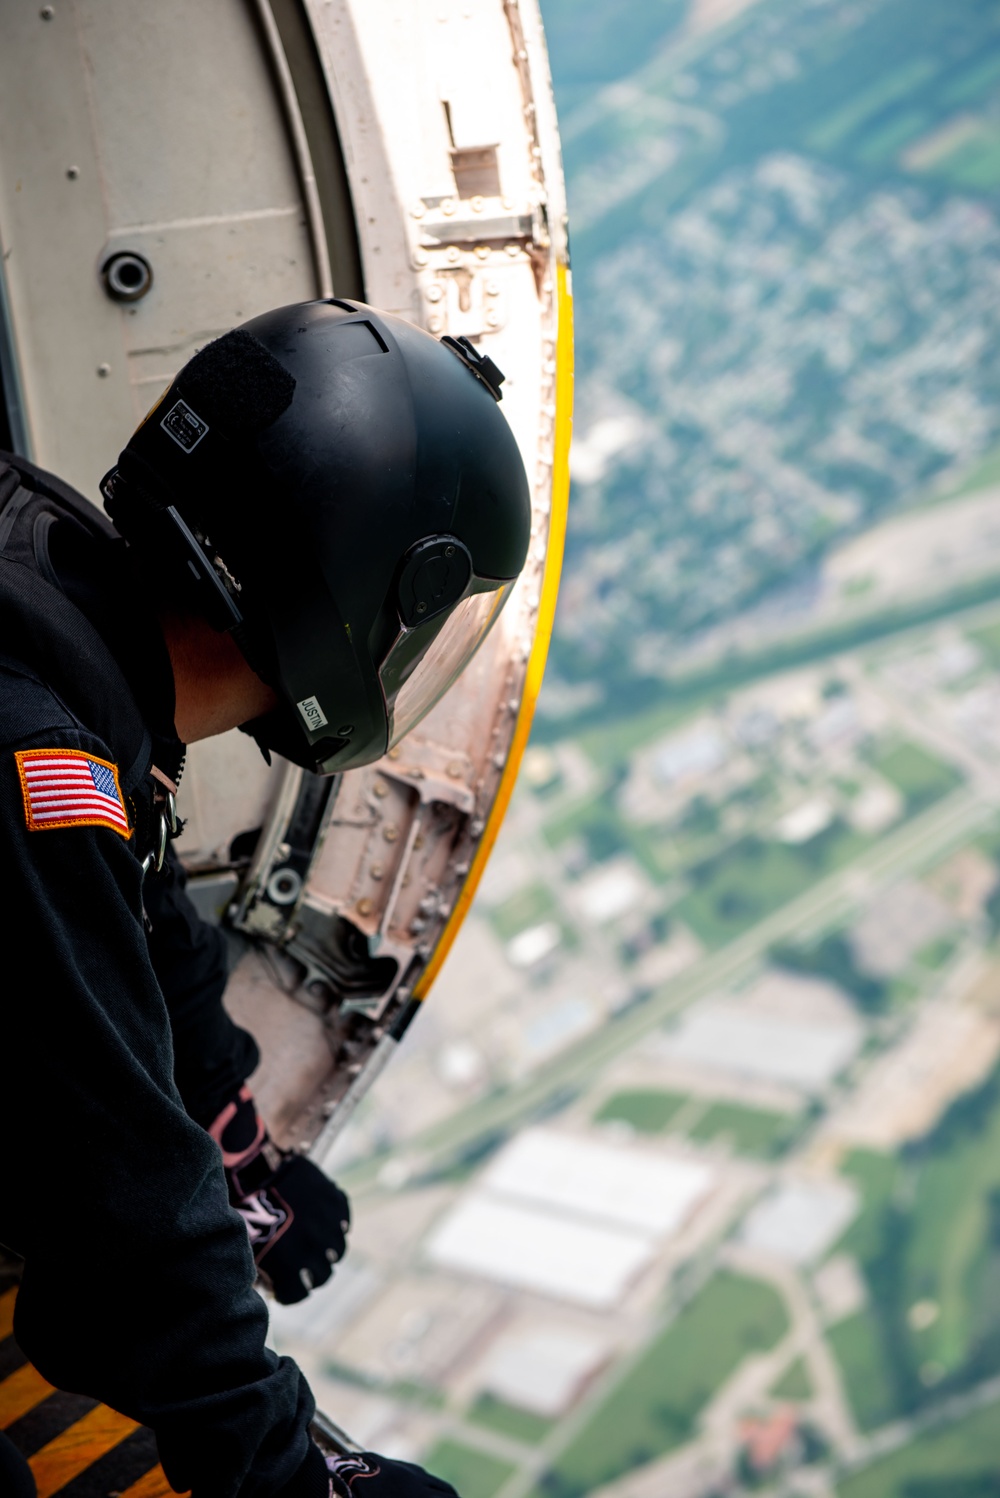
(68, 788)
(238, 383)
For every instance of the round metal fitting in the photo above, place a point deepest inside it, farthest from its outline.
(127, 276)
(284, 887)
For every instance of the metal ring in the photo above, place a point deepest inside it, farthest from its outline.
(127, 276)
(284, 886)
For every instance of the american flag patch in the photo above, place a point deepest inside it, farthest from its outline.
(67, 788)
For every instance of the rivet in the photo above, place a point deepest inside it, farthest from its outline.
(434, 323)
(448, 207)
(419, 258)
(492, 319)
(390, 833)
(513, 250)
(482, 252)
(452, 253)
(418, 842)
(455, 770)
(345, 730)
(376, 871)
(417, 211)
(72, 173)
(434, 293)
(380, 788)
(421, 607)
(493, 288)
(365, 906)
(47, 12)
(104, 370)
(477, 204)
(395, 752)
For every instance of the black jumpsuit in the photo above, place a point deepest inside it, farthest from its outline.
(115, 1051)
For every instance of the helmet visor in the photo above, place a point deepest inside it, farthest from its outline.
(423, 662)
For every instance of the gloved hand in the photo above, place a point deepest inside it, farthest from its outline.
(296, 1218)
(369, 1475)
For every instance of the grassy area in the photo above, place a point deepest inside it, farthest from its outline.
(879, 146)
(936, 953)
(645, 1109)
(522, 1425)
(857, 1343)
(928, 1240)
(794, 1383)
(867, 1375)
(952, 1256)
(655, 1406)
(960, 1461)
(474, 1473)
(988, 640)
(874, 1174)
(752, 1131)
(888, 89)
(920, 776)
(526, 908)
(752, 878)
(972, 81)
(976, 162)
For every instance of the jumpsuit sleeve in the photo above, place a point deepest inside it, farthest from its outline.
(213, 1056)
(138, 1280)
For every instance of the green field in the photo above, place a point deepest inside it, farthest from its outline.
(871, 102)
(751, 1131)
(656, 1405)
(975, 163)
(988, 638)
(952, 1255)
(522, 1425)
(928, 1239)
(874, 1174)
(795, 1383)
(857, 1346)
(749, 880)
(960, 1461)
(526, 908)
(645, 1109)
(475, 1474)
(921, 777)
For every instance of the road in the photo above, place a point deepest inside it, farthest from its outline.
(914, 845)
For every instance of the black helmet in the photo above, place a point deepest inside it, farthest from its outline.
(339, 490)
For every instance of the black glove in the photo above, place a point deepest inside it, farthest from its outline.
(369, 1475)
(296, 1218)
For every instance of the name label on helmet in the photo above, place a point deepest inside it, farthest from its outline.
(312, 713)
(184, 426)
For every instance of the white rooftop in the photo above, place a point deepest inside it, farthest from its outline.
(736, 1038)
(610, 891)
(543, 1371)
(613, 1183)
(801, 1219)
(568, 1216)
(531, 1249)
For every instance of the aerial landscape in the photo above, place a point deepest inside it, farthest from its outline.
(687, 1182)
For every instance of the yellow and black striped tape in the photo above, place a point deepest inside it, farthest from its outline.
(75, 1447)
